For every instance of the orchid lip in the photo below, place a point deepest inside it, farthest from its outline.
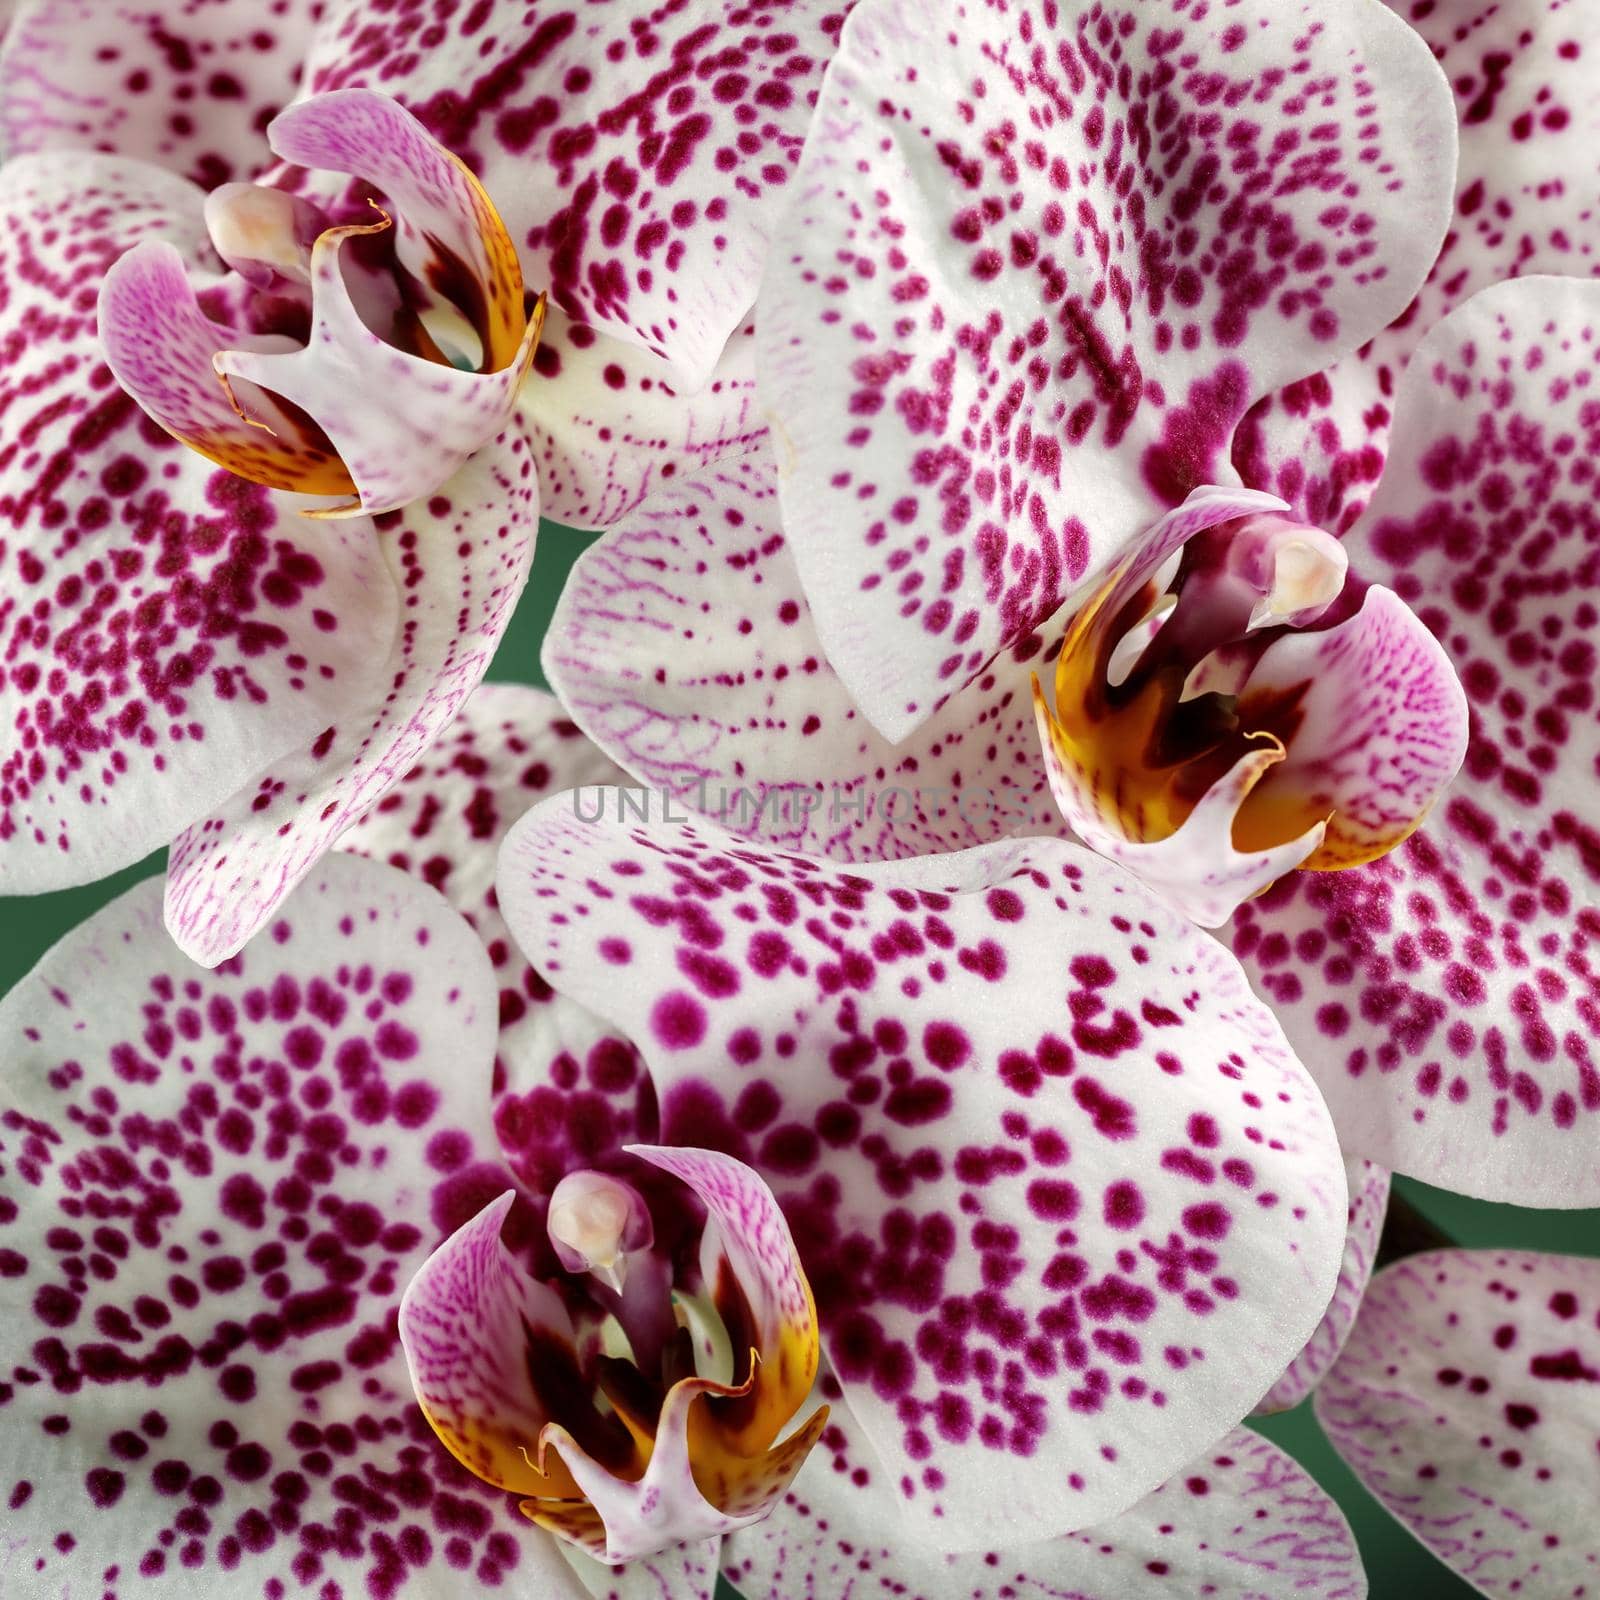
(399, 338)
(1231, 704)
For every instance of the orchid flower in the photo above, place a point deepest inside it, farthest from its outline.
(222, 1187)
(443, 823)
(351, 319)
(1029, 1237)
(1466, 1401)
(1000, 406)
(228, 1338)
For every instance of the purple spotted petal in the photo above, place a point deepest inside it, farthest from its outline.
(166, 630)
(609, 429)
(1468, 1402)
(1241, 1520)
(187, 84)
(460, 560)
(569, 1091)
(1067, 1203)
(1445, 996)
(638, 155)
(1041, 260)
(683, 644)
(685, 1572)
(216, 1187)
(1525, 203)
(1368, 1187)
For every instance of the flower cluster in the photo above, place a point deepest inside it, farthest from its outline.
(1066, 770)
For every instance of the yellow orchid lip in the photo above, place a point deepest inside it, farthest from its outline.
(418, 332)
(1228, 707)
(623, 1454)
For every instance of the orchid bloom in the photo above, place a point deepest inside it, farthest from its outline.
(221, 1190)
(1243, 1503)
(1030, 1227)
(1007, 375)
(1468, 1402)
(350, 318)
(232, 1358)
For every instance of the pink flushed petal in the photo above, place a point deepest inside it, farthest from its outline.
(1448, 997)
(1368, 1187)
(401, 424)
(1468, 1402)
(609, 430)
(638, 155)
(1041, 260)
(1383, 724)
(187, 84)
(684, 646)
(638, 1521)
(1032, 1336)
(747, 1237)
(569, 1091)
(467, 1322)
(1197, 869)
(216, 1186)
(746, 1230)
(160, 346)
(1525, 203)
(1243, 1519)
(444, 222)
(165, 629)
(459, 560)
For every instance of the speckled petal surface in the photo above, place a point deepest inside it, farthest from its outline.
(188, 84)
(639, 153)
(165, 630)
(684, 645)
(1368, 1187)
(947, 1069)
(1468, 1402)
(1040, 261)
(1448, 997)
(1241, 1522)
(459, 560)
(569, 1091)
(686, 1572)
(1525, 203)
(216, 1185)
(610, 430)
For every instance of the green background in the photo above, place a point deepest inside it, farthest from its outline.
(1397, 1566)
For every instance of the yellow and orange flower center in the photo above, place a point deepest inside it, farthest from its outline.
(622, 1369)
(1154, 699)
